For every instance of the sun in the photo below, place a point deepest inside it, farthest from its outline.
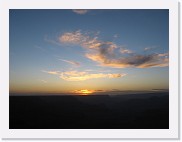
(84, 92)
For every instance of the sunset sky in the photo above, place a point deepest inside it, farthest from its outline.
(61, 51)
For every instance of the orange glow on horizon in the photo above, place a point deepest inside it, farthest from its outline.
(84, 92)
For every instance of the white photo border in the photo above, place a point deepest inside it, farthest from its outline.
(171, 133)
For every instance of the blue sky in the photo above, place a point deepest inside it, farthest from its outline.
(68, 50)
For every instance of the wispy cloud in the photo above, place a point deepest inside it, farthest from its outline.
(80, 11)
(51, 41)
(81, 76)
(126, 51)
(150, 48)
(51, 72)
(103, 52)
(71, 62)
(164, 55)
(41, 48)
(87, 42)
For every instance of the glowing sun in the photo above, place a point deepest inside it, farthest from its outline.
(84, 92)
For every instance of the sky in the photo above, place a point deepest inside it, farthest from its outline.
(73, 51)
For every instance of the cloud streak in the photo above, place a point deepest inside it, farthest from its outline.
(71, 62)
(150, 48)
(51, 41)
(51, 72)
(82, 76)
(104, 52)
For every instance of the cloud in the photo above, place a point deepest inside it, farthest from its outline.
(51, 72)
(86, 41)
(126, 51)
(164, 55)
(139, 61)
(104, 52)
(150, 48)
(80, 11)
(71, 62)
(51, 41)
(41, 48)
(81, 76)
(160, 89)
(147, 48)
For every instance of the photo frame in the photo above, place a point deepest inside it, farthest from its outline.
(171, 133)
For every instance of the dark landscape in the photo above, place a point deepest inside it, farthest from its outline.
(134, 111)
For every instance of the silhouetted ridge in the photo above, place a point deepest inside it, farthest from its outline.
(135, 111)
